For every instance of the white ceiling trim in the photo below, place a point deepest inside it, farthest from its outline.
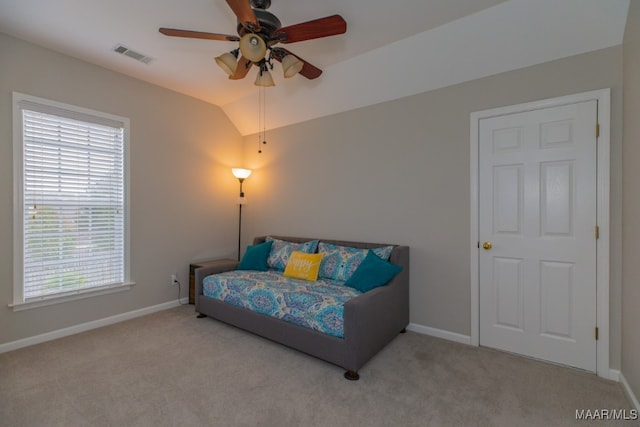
(509, 36)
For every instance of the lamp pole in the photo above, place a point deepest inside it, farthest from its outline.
(240, 217)
(241, 174)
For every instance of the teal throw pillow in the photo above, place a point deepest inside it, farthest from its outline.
(372, 272)
(255, 258)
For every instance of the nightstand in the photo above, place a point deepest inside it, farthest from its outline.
(192, 273)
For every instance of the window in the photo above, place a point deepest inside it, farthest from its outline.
(71, 207)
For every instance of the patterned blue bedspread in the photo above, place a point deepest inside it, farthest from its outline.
(317, 305)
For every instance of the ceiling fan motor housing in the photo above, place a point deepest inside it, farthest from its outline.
(268, 24)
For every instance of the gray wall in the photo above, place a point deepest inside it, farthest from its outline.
(398, 172)
(631, 211)
(182, 191)
(395, 172)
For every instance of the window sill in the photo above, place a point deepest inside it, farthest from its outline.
(70, 296)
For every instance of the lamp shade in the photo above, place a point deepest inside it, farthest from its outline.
(291, 66)
(264, 79)
(228, 63)
(241, 173)
(253, 47)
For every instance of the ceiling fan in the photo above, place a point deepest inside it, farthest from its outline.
(259, 32)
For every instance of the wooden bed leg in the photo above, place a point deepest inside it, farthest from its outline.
(403, 331)
(352, 375)
(200, 315)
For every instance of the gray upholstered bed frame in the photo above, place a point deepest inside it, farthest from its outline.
(371, 320)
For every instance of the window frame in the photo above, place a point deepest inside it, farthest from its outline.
(27, 102)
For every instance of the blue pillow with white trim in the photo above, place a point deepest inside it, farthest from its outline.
(281, 251)
(340, 262)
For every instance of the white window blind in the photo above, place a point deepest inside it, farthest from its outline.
(73, 201)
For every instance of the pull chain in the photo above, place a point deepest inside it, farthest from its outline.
(262, 119)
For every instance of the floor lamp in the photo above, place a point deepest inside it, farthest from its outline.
(241, 174)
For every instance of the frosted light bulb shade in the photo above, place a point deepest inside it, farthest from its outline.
(264, 79)
(241, 173)
(228, 63)
(253, 47)
(291, 66)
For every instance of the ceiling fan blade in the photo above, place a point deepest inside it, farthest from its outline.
(244, 65)
(323, 27)
(173, 32)
(245, 14)
(309, 71)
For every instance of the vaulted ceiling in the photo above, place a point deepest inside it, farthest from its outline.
(392, 48)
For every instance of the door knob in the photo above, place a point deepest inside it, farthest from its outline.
(487, 245)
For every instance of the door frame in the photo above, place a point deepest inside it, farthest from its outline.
(603, 96)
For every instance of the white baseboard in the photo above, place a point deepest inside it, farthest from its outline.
(440, 333)
(83, 327)
(630, 395)
(614, 375)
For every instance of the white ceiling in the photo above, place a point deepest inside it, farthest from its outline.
(392, 48)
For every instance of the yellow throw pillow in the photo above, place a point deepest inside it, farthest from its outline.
(303, 266)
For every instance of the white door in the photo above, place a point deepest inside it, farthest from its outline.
(537, 224)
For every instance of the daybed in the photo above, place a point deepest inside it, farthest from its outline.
(371, 319)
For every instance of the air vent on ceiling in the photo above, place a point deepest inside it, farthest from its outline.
(132, 54)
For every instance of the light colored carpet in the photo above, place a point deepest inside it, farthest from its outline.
(171, 369)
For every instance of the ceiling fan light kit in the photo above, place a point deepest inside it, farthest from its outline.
(264, 77)
(291, 66)
(228, 62)
(258, 32)
(253, 47)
